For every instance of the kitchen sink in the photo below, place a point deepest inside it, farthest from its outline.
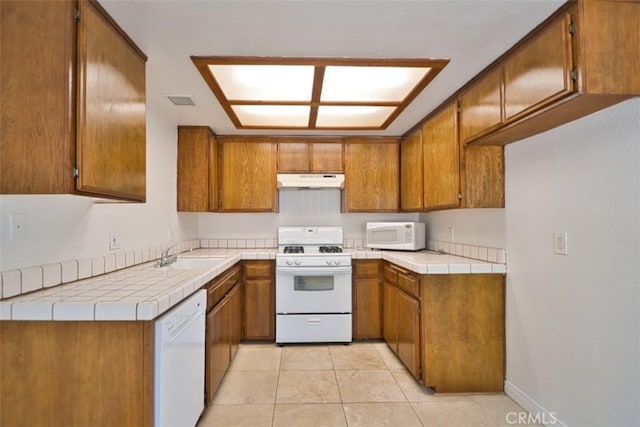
(195, 263)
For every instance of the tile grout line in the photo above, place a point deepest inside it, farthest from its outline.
(335, 375)
(413, 409)
(275, 397)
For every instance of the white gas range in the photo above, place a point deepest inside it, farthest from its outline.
(313, 286)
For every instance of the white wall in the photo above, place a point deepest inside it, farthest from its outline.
(60, 227)
(573, 322)
(482, 227)
(297, 208)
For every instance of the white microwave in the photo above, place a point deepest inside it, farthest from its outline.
(402, 236)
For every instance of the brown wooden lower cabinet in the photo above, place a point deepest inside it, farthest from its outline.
(76, 373)
(401, 315)
(367, 299)
(259, 300)
(463, 332)
(448, 329)
(224, 327)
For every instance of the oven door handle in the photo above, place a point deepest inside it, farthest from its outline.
(308, 271)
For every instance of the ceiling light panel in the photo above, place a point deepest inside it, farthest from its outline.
(315, 93)
(370, 84)
(281, 116)
(352, 116)
(265, 82)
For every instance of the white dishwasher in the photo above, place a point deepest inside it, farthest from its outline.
(179, 363)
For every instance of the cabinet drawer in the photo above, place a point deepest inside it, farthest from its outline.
(409, 284)
(369, 268)
(390, 274)
(403, 279)
(258, 269)
(218, 288)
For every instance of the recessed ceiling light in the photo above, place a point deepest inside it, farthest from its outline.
(315, 93)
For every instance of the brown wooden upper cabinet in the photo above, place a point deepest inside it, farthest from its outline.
(197, 169)
(411, 173)
(536, 74)
(302, 155)
(248, 174)
(582, 59)
(64, 84)
(441, 160)
(481, 106)
(437, 172)
(371, 175)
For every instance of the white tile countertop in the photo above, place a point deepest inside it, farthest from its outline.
(430, 262)
(143, 292)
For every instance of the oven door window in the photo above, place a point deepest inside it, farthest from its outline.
(313, 283)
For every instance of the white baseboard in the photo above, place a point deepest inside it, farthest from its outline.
(534, 408)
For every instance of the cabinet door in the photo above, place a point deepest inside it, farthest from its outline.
(327, 157)
(411, 173)
(481, 106)
(217, 354)
(372, 175)
(235, 319)
(248, 174)
(259, 309)
(300, 155)
(37, 151)
(408, 332)
(367, 313)
(441, 161)
(111, 115)
(483, 183)
(539, 72)
(197, 152)
(293, 157)
(390, 316)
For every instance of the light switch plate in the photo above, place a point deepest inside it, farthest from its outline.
(560, 243)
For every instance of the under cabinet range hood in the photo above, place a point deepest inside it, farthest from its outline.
(310, 180)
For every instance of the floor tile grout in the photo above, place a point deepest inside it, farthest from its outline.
(342, 361)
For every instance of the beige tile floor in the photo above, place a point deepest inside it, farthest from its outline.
(361, 384)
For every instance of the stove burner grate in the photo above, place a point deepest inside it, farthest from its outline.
(293, 250)
(330, 249)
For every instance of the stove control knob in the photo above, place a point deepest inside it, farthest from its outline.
(297, 262)
(289, 262)
(328, 262)
(337, 262)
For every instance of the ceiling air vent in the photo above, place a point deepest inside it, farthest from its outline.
(181, 100)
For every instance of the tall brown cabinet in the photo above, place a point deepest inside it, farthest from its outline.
(79, 126)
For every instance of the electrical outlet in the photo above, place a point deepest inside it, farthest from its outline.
(452, 234)
(170, 235)
(114, 241)
(17, 226)
(560, 243)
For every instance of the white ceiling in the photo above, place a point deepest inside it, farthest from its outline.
(471, 33)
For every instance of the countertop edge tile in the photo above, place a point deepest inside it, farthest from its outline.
(5, 310)
(116, 310)
(74, 310)
(32, 310)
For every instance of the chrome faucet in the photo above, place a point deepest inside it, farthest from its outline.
(165, 258)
